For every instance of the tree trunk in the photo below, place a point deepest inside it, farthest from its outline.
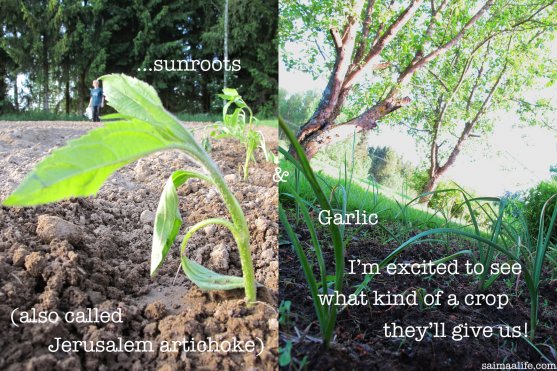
(82, 90)
(205, 96)
(329, 106)
(436, 171)
(225, 40)
(324, 112)
(16, 94)
(67, 92)
(430, 186)
(46, 69)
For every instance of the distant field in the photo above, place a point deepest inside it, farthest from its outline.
(189, 117)
(41, 116)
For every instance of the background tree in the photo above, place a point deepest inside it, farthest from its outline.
(56, 48)
(297, 108)
(43, 30)
(253, 40)
(459, 92)
(374, 48)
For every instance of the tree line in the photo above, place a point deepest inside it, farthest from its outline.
(51, 50)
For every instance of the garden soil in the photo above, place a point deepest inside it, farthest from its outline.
(360, 343)
(95, 253)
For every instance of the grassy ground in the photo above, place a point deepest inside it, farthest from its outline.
(272, 122)
(390, 205)
(49, 116)
(359, 329)
(199, 117)
(41, 116)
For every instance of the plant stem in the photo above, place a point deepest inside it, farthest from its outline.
(246, 164)
(533, 313)
(249, 151)
(242, 235)
(238, 219)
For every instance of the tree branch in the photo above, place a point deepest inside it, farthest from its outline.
(529, 18)
(366, 28)
(466, 132)
(477, 81)
(367, 121)
(419, 62)
(385, 39)
(433, 150)
(337, 40)
(438, 79)
(381, 66)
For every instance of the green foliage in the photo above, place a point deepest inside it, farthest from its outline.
(553, 171)
(353, 151)
(253, 40)
(418, 179)
(450, 202)
(493, 69)
(61, 46)
(508, 236)
(535, 200)
(239, 125)
(285, 358)
(80, 168)
(284, 313)
(296, 109)
(326, 314)
(388, 167)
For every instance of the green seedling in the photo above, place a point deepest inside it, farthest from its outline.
(511, 239)
(239, 125)
(284, 313)
(285, 357)
(81, 167)
(326, 314)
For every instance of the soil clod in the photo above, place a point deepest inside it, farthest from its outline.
(50, 227)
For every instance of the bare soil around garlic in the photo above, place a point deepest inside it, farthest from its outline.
(95, 253)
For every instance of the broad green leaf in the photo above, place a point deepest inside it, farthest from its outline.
(81, 167)
(232, 96)
(168, 220)
(206, 279)
(230, 92)
(134, 98)
(167, 225)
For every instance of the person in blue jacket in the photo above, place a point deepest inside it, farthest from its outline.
(97, 100)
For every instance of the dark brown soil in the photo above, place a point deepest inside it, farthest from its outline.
(360, 342)
(104, 263)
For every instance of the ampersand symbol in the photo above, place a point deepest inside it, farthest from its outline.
(280, 175)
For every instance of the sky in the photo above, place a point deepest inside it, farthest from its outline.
(513, 158)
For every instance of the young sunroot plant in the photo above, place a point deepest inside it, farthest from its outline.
(239, 125)
(81, 167)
